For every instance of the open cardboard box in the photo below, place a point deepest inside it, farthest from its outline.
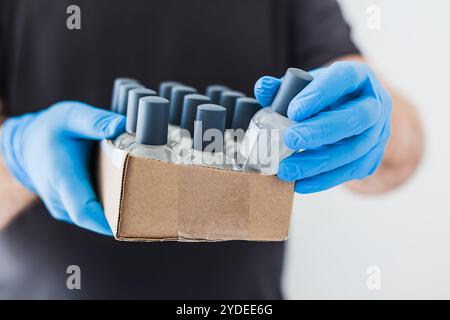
(150, 200)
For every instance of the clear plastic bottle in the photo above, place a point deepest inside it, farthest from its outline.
(209, 159)
(188, 114)
(263, 147)
(233, 140)
(165, 91)
(176, 107)
(162, 153)
(214, 92)
(165, 88)
(115, 95)
(122, 100)
(208, 147)
(228, 101)
(126, 139)
(244, 110)
(183, 145)
(151, 131)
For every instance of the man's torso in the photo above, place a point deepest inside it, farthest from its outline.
(196, 42)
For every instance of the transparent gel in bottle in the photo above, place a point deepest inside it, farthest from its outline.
(263, 147)
(128, 138)
(151, 130)
(209, 131)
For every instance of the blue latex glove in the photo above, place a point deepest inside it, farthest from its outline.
(343, 120)
(49, 152)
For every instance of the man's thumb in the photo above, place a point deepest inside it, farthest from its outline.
(265, 90)
(87, 122)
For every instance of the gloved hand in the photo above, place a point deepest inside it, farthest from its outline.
(48, 152)
(343, 120)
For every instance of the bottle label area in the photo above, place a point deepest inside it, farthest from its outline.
(256, 150)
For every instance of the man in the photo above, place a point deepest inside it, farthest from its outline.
(54, 76)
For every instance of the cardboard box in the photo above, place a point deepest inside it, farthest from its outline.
(150, 200)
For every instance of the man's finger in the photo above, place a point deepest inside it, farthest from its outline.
(265, 90)
(355, 170)
(329, 85)
(78, 197)
(310, 163)
(82, 206)
(352, 118)
(87, 122)
(57, 211)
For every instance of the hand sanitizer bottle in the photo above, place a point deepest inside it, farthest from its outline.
(122, 101)
(126, 139)
(176, 106)
(244, 110)
(151, 130)
(228, 101)
(115, 95)
(263, 147)
(165, 88)
(190, 104)
(209, 131)
(214, 92)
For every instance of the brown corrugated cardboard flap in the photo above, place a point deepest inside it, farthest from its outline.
(163, 201)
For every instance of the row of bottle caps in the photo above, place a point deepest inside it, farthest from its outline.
(151, 115)
(157, 119)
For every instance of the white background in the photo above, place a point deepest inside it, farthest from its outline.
(336, 235)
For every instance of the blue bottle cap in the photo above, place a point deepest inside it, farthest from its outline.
(115, 95)
(165, 88)
(190, 104)
(210, 116)
(176, 103)
(133, 103)
(244, 111)
(123, 96)
(228, 101)
(294, 81)
(214, 92)
(153, 118)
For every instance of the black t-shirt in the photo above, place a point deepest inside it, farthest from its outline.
(197, 42)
